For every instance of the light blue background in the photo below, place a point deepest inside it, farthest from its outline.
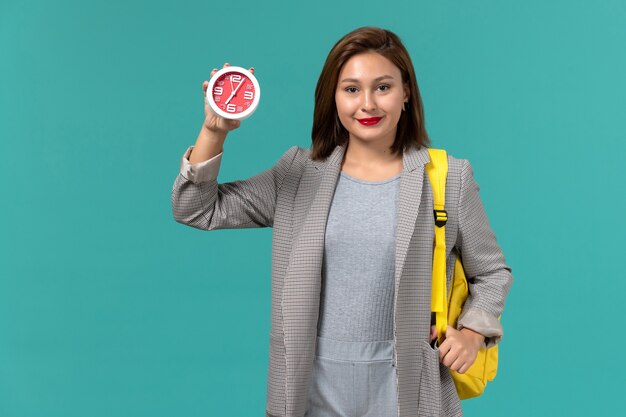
(108, 307)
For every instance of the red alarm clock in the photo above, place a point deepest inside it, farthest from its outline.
(233, 93)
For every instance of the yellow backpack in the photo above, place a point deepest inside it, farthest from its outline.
(448, 309)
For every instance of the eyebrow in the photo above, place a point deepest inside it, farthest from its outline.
(354, 80)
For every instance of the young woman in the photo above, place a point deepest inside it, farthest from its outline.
(352, 244)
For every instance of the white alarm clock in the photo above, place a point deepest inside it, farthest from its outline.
(233, 93)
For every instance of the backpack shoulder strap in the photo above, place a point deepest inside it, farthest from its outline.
(437, 170)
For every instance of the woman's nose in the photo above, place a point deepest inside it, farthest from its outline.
(368, 104)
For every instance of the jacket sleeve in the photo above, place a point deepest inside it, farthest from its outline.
(489, 278)
(200, 202)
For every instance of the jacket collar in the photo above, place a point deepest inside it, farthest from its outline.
(412, 158)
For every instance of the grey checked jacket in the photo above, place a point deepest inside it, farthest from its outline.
(294, 198)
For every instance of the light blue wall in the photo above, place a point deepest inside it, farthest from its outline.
(108, 307)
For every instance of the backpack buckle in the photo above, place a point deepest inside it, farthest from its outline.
(441, 217)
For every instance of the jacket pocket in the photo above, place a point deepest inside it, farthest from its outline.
(275, 404)
(445, 398)
(430, 384)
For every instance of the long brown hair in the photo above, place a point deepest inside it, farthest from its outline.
(328, 132)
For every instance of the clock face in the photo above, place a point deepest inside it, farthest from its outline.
(233, 93)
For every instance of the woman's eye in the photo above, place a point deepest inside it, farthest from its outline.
(383, 87)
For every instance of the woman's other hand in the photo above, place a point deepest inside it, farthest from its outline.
(460, 348)
(212, 121)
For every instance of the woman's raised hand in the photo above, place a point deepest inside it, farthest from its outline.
(212, 121)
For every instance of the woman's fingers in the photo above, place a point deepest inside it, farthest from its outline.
(433, 332)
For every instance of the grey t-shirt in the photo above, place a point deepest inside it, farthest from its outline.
(358, 266)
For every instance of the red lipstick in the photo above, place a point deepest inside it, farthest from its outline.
(370, 121)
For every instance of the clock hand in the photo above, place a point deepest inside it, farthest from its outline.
(240, 84)
(231, 96)
(234, 92)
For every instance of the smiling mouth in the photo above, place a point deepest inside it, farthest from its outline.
(369, 121)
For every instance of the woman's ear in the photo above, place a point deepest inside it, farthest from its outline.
(407, 92)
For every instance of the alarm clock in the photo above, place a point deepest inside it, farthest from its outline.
(233, 93)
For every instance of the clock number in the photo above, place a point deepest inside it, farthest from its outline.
(235, 77)
(231, 108)
(248, 95)
(218, 91)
